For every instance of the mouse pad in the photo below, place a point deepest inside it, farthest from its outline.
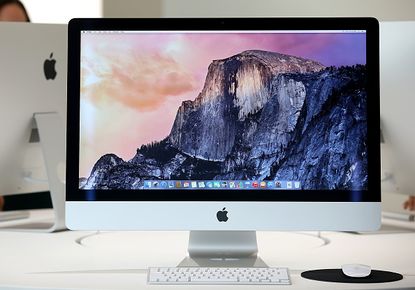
(336, 275)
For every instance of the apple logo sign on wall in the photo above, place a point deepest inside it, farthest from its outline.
(222, 215)
(49, 68)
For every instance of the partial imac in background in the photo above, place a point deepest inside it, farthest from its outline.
(397, 103)
(223, 132)
(33, 111)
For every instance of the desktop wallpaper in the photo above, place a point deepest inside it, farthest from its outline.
(223, 106)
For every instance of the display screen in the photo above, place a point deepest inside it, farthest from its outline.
(234, 110)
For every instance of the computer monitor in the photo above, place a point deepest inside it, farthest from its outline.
(32, 103)
(223, 127)
(397, 100)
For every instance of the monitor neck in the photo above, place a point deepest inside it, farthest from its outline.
(223, 249)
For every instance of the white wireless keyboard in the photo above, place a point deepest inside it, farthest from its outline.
(219, 276)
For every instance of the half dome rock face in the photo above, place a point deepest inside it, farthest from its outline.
(278, 118)
(236, 88)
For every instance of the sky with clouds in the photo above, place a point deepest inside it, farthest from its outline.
(133, 84)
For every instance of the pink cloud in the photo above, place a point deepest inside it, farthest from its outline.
(141, 82)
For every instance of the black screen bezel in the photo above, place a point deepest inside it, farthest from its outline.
(371, 25)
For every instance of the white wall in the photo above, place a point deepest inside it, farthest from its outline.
(61, 11)
(382, 9)
(132, 8)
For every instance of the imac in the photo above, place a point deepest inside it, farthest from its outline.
(223, 127)
(397, 100)
(33, 113)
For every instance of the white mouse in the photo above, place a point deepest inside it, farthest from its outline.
(356, 270)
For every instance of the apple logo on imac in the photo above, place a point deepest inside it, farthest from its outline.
(49, 68)
(222, 215)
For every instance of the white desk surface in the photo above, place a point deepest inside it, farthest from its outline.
(118, 260)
